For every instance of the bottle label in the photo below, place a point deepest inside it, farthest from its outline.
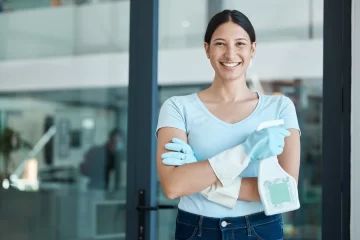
(278, 191)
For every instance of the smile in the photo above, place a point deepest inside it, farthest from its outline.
(230, 64)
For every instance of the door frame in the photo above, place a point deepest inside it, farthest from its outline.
(142, 119)
(336, 123)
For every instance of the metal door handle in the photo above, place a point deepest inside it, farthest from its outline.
(149, 208)
(141, 208)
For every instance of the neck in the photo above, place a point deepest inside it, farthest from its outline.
(230, 91)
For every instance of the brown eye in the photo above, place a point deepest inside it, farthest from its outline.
(219, 44)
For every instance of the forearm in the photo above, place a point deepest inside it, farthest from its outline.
(244, 189)
(289, 160)
(249, 190)
(188, 179)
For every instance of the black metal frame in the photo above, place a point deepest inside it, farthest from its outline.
(142, 118)
(336, 120)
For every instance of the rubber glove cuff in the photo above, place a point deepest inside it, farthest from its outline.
(228, 164)
(225, 196)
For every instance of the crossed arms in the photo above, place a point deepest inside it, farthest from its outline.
(192, 178)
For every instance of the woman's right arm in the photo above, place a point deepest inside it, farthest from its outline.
(182, 180)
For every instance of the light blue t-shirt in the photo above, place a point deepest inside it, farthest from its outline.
(208, 136)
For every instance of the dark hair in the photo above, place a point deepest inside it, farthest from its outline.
(114, 132)
(227, 16)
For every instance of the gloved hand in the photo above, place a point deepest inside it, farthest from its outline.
(259, 145)
(181, 153)
(265, 143)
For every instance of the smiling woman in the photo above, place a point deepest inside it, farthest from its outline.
(230, 44)
(208, 147)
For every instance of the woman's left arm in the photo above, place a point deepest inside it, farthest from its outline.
(289, 160)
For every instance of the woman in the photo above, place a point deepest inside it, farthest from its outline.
(208, 149)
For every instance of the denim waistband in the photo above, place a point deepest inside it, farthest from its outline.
(228, 222)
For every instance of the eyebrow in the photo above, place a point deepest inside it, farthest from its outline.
(235, 39)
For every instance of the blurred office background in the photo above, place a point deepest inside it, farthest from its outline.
(63, 89)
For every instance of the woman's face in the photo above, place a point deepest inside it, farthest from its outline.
(230, 51)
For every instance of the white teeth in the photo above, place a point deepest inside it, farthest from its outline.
(230, 64)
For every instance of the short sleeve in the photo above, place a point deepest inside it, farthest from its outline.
(288, 114)
(170, 115)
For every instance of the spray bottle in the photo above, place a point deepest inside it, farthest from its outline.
(278, 189)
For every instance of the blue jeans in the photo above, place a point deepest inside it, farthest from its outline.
(256, 226)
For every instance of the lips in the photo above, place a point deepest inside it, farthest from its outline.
(230, 64)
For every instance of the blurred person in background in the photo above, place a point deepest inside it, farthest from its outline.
(100, 161)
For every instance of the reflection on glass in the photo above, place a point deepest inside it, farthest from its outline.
(101, 161)
(63, 118)
(17, 5)
(55, 142)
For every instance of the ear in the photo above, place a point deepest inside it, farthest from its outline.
(253, 49)
(207, 49)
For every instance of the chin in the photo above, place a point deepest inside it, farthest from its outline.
(232, 77)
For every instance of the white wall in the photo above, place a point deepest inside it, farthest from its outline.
(104, 27)
(41, 47)
(355, 122)
(93, 28)
(287, 19)
(274, 60)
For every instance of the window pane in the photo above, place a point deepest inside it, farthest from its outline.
(63, 120)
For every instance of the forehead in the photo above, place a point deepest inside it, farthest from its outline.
(230, 30)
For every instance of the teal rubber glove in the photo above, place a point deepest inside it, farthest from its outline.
(181, 153)
(259, 145)
(265, 143)
(225, 196)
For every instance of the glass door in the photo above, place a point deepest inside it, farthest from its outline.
(63, 124)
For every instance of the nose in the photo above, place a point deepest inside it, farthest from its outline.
(230, 52)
